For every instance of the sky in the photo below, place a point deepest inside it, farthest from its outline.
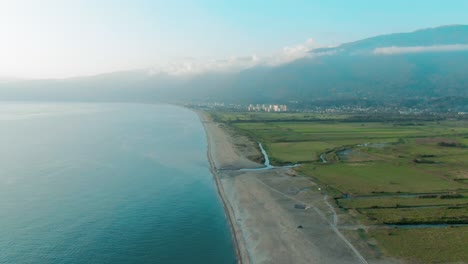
(65, 38)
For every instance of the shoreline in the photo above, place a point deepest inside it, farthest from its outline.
(228, 211)
(240, 249)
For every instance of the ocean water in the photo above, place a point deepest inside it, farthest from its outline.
(107, 183)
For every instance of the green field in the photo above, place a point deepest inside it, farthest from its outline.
(385, 202)
(417, 215)
(294, 152)
(425, 245)
(379, 177)
(387, 172)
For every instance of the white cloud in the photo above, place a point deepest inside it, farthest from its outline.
(419, 49)
(236, 63)
(196, 66)
(291, 53)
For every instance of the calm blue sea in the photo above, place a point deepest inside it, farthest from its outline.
(107, 183)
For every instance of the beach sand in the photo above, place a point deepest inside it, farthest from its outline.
(260, 206)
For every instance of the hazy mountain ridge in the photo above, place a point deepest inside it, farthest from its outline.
(352, 71)
(349, 72)
(445, 35)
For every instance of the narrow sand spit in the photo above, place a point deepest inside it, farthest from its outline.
(260, 206)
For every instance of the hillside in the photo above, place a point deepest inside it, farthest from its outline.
(445, 35)
(352, 70)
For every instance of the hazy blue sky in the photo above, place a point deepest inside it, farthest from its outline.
(60, 38)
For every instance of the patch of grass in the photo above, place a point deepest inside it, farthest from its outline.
(378, 177)
(294, 152)
(425, 245)
(381, 202)
(426, 215)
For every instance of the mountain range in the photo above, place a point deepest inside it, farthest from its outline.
(421, 66)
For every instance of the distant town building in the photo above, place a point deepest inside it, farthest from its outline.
(267, 108)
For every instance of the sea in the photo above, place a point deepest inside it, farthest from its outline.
(107, 183)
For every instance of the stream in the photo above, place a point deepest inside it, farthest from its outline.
(267, 164)
(322, 158)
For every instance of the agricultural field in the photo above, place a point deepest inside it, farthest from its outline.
(296, 152)
(400, 176)
(379, 177)
(405, 201)
(424, 245)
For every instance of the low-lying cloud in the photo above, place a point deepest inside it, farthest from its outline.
(291, 53)
(394, 50)
(237, 63)
(197, 66)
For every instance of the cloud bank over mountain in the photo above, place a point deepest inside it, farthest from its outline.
(419, 49)
(236, 63)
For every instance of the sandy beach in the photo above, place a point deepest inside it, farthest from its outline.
(261, 209)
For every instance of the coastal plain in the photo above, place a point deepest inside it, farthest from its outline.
(395, 189)
(262, 207)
